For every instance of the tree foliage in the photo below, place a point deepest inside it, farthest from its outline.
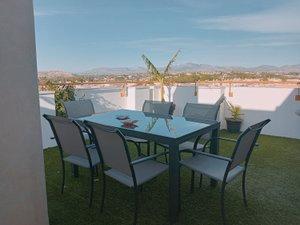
(158, 76)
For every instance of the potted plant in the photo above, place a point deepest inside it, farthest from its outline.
(235, 121)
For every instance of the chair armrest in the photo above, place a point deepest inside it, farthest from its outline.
(215, 156)
(208, 154)
(90, 146)
(147, 158)
(223, 139)
(227, 139)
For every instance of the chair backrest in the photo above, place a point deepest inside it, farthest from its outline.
(112, 147)
(68, 136)
(203, 111)
(245, 143)
(157, 107)
(79, 108)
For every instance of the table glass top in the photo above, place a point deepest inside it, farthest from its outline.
(166, 126)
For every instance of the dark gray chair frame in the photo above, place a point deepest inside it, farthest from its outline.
(131, 163)
(92, 168)
(232, 161)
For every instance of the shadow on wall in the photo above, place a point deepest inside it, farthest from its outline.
(102, 99)
(277, 104)
(258, 103)
(182, 95)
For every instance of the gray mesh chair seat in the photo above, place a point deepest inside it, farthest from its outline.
(144, 172)
(112, 146)
(225, 169)
(84, 162)
(212, 166)
(72, 147)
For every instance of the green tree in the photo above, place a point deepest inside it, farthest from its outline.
(158, 76)
(62, 94)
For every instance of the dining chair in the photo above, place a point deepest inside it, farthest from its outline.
(80, 108)
(72, 148)
(155, 107)
(201, 113)
(114, 153)
(225, 169)
(158, 107)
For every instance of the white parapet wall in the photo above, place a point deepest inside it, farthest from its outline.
(278, 104)
(257, 103)
(47, 106)
(104, 99)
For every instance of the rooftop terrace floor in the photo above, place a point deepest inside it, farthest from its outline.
(273, 187)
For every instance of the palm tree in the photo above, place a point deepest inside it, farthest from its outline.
(158, 76)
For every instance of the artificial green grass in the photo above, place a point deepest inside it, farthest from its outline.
(273, 188)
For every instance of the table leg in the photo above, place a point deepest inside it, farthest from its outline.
(174, 183)
(75, 170)
(214, 149)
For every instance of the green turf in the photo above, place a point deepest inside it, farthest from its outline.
(273, 184)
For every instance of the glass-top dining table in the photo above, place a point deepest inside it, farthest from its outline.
(164, 129)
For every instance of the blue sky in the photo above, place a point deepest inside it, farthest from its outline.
(77, 35)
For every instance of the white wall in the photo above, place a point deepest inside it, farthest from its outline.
(47, 106)
(278, 104)
(22, 188)
(257, 103)
(142, 94)
(104, 99)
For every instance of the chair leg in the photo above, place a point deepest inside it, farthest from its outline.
(96, 170)
(166, 158)
(222, 203)
(155, 148)
(136, 204)
(148, 148)
(75, 170)
(192, 181)
(244, 189)
(92, 186)
(138, 146)
(200, 181)
(63, 177)
(103, 192)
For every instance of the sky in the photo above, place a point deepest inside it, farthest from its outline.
(78, 35)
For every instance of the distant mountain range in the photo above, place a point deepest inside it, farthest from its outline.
(193, 67)
(55, 73)
(187, 67)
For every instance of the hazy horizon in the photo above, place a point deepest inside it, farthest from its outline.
(90, 34)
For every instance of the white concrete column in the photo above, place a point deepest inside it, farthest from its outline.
(151, 92)
(47, 106)
(22, 187)
(131, 96)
